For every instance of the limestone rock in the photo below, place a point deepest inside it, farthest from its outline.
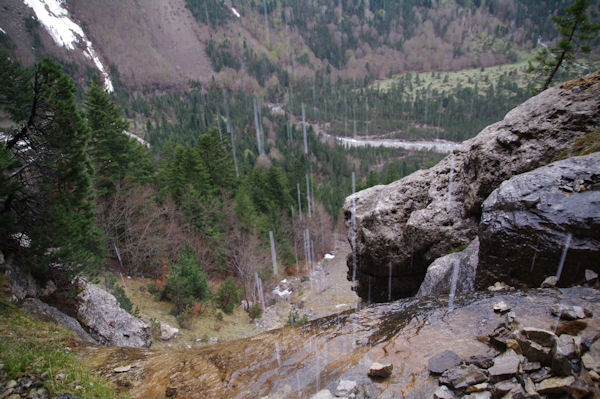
(380, 370)
(40, 308)
(439, 274)
(443, 361)
(413, 221)
(564, 351)
(590, 276)
(167, 332)
(443, 392)
(505, 366)
(345, 388)
(540, 336)
(462, 376)
(106, 322)
(22, 285)
(323, 394)
(549, 282)
(555, 385)
(481, 361)
(478, 395)
(500, 307)
(503, 387)
(522, 244)
(591, 359)
(568, 312)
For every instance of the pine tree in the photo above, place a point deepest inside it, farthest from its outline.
(575, 30)
(115, 156)
(53, 204)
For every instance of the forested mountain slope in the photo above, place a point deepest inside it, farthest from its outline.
(166, 44)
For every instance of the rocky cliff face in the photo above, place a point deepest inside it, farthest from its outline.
(409, 223)
(542, 223)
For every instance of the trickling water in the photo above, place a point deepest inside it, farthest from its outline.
(308, 196)
(266, 23)
(345, 116)
(273, 254)
(389, 283)
(230, 132)
(533, 261)
(259, 290)
(353, 231)
(353, 225)
(257, 124)
(563, 256)
(304, 129)
(450, 178)
(277, 354)
(299, 202)
(453, 283)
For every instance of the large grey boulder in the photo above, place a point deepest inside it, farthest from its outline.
(106, 321)
(439, 274)
(22, 285)
(35, 306)
(534, 219)
(411, 222)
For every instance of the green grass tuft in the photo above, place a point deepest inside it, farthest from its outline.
(29, 345)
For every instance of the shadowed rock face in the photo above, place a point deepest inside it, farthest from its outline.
(413, 221)
(530, 218)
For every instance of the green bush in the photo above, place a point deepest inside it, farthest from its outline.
(228, 295)
(117, 290)
(255, 311)
(295, 318)
(186, 281)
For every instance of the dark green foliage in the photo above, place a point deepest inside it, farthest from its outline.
(255, 311)
(228, 295)
(186, 282)
(576, 31)
(117, 290)
(115, 156)
(221, 56)
(210, 12)
(51, 197)
(295, 318)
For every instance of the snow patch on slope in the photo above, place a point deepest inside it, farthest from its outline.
(65, 32)
(3, 31)
(235, 12)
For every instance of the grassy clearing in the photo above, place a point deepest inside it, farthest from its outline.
(201, 327)
(28, 345)
(449, 81)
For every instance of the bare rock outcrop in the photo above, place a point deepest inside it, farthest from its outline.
(35, 306)
(542, 223)
(411, 222)
(106, 321)
(439, 274)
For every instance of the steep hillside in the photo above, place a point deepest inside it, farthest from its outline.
(157, 44)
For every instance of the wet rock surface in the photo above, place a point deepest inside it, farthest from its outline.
(440, 273)
(317, 356)
(532, 228)
(443, 361)
(106, 322)
(411, 222)
(518, 371)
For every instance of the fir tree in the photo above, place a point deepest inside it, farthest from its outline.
(53, 203)
(115, 156)
(575, 30)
